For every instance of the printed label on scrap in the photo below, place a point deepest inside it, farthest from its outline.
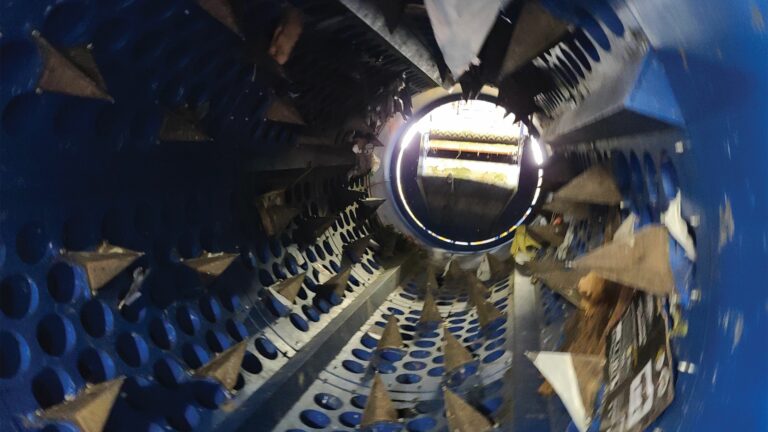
(639, 383)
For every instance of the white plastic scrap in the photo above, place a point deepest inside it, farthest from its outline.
(678, 227)
(460, 28)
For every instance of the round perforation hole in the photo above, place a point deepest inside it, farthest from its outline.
(63, 283)
(18, 296)
(51, 386)
(96, 318)
(55, 334)
(14, 354)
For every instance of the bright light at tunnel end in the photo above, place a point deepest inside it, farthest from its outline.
(422, 125)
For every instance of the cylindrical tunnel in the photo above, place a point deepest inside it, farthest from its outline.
(415, 215)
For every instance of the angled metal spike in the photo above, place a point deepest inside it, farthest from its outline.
(211, 265)
(223, 12)
(378, 407)
(310, 229)
(282, 110)
(456, 355)
(225, 366)
(90, 408)
(73, 72)
(564, 282)
(640, 262)
(336, 284)
(552, 234)
(368, 207)
(478, 292)
(357, 248)
(487, 313)
(594, 186)
(455, 276)
(180, 126)
(274, 212)
(430, 283)
(492, 268)
(289, 288)
(343, 198)
(535, 32)
(430, 312)
(391, 337)
(104, 264)
(463, 417)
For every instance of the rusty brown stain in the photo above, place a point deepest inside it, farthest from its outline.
(727, 225)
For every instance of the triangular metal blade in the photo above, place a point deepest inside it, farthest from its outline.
(356, 249)
(223, 12)
(274, 212)
(642, 263)
(456, 355)
(368, 207)
(309, 230)
(430, 312)
(536, 31)
(104, 264)
(391, 337)
(211, 265)
(487, 313)
(89, 410)
(564, 282)
(282, 110)
(226, 366)
(343, 198)
(552, 234)
(378, 407)
(463, 417)
(594, 186)
(289, 288)
(181, 127)
(74, 73)
(336, 284)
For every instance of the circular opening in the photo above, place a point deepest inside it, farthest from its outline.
(251, 363)
(314, 419)
(168, 372)
(216, 341)
(328, 401)
(32, 243)
(51, 386)
(266, 348)
(95, 365)
(96, 318)
(14, 354)
(18, 296)
(55, 334)
(669, 180)
(236, 330)
(408, 378)
(132, 349)
(63, 283)
(350, 419)
(210, 309)
(353, 366)
(194, 355)
(444, 151)
(188, 320)
(162, 333)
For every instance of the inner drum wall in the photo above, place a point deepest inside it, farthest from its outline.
(75, 172)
